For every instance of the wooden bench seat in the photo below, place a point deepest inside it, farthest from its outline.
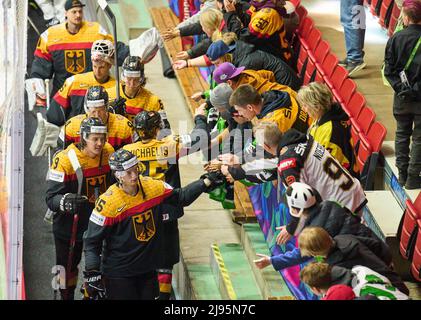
(190, 79)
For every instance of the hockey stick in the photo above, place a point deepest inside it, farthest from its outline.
(109, 13)
(79, 175)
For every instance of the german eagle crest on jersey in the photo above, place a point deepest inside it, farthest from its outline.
(144, 226)
(74, 61)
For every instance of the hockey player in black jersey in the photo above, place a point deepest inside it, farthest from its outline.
(158, 159)
(126, 228)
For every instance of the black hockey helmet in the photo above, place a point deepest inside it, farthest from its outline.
(91, 125)
(133, 67)
(122, 160)
(96, 97)
(147, 123)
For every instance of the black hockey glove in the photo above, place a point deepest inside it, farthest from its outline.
(72, 203)
(93, 288)
(216, 178)
(118, 106)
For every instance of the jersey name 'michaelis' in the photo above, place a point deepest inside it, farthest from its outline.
(162, 151)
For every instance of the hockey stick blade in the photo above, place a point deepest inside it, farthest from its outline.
(77, 168)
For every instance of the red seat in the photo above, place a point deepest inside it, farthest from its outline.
(302, 58)
(416, 258)
(363, 122)
(312, 40)
(364, 152)
(355, 135)
(319, 77)
(375, 7)
(355, 105)
(368, 153)
(321, 52)
(329, 65)
(347, 90)
(335, 82)
(301, 12)
(309, 73)
(305, 27)
(393, 20)
(337, 78)
(376, 135)
(408, 230)
(385, 12)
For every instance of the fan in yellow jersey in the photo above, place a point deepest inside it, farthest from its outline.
(330, 127)
(272, 106)
(64, 50)
(158, 159)
(92, 153)
(68, 101)
(124, 237)
(120, 129)
(266, 28)
(137, 97)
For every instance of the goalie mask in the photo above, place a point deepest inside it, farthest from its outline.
(147, 123)
(133, 68)
(103, 50)
(91, 125)
(96, 97)
(300, 196)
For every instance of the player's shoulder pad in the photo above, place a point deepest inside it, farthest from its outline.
(105, 206)
(60, 167)
(108, 149)
(73, 124)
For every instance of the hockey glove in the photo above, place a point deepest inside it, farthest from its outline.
(93, 288)
(216, 178)
(72, 203)
(118, 106)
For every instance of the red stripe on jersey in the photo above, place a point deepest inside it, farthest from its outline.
(64, 102)
(258, 34)
(115, 141)
(70, 139)
(109, 221)
(47, 56)
(133, 110)
(89, 172)
(70, 46)
(164, 278)
(78, 92)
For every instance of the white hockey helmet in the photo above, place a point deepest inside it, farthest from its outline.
(300, 196)
(103, 50)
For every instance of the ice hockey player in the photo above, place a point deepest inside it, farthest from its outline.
(69, 100)
(119, 128)
(92, 154)
(158, 159)
(132, 88)
(64, 50)
(127, 223)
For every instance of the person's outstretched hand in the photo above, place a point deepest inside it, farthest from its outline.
(179, 64)
(263, 262)
(182, 55)
(283, 236)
